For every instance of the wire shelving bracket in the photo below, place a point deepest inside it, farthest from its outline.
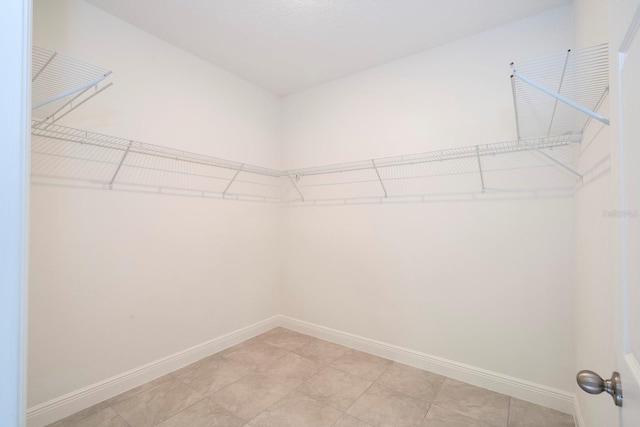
(561, 93)
(60, 84)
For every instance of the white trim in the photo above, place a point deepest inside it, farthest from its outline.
(633, 366)
(577, 413)
(15, 117)
(63, 406)
(78, 400)
(522, 389)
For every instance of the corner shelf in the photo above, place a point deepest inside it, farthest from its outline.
(60, 84)
(561, 93)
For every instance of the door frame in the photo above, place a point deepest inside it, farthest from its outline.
(15, 117)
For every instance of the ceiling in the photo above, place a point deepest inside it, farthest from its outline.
(288, 45)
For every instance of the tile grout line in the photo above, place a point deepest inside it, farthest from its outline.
(367, 389)
(120, 415)
(295, 389)
(192, 389)
(432, 403)
(255, 371)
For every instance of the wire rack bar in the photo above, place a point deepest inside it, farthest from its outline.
(295, 186)
(373, 162)
(115, 174)
(480, 168)
(43, 66)
(555, 104)
(232, 179)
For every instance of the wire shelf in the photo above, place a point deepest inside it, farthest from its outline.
(513, 166)
(61, 83)
(579, 78)
(61, 154)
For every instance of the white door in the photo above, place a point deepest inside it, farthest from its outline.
(619, 314)
(625, 37)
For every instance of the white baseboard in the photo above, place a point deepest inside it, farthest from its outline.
(526, 390)
(63, 406)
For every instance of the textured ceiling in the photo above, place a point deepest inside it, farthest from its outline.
(289, 45)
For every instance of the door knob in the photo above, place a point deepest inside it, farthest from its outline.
(593, 383)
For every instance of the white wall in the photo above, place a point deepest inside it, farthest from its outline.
(119, 280)
(486, 283)
(594, 287)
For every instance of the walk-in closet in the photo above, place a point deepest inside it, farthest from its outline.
(298, 213)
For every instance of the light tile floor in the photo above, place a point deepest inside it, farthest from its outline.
(283, 378)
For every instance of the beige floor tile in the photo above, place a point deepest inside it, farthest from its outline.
(140, 389)
(322, 351)
(256, 355)
(250, 395)
(361, 364)
(335, 388)
(285, 339)
(412, 381)
(157, 404)
(439, 417)
(525, 414)
(348, 421)
(105, 417)
(297, 410)
(240, 346)
(380, 406)
(211, 374)
(205, 413)
(80, 415)
(478, 403)
(291, 369)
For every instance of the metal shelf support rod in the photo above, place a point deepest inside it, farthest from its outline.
(115, 174)
(555, 105)
(515, 105)
(561, 98)
(373, 162)
(295, 186)
(232, 179)
(480, 167)
(53, 55)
